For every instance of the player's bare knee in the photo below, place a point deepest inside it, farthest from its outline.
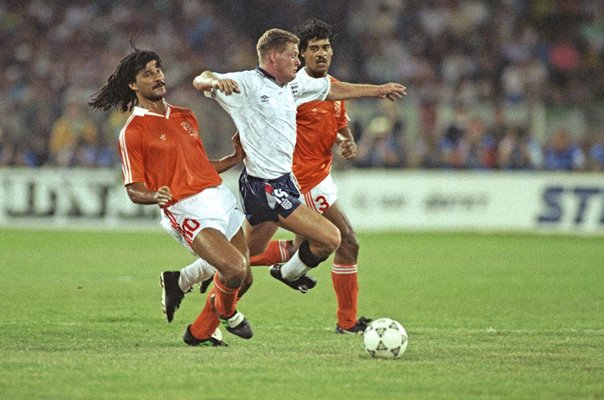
(329, 240)
(234, 270)
(333, 241)
(325, 248)
(233, 279)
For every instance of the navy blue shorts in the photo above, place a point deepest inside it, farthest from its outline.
(267, 199)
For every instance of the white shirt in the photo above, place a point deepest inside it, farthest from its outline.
(265, 116)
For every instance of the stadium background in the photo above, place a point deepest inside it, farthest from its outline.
(494, 87)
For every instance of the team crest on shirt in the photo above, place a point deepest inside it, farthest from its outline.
(295, 88)
(190, 130)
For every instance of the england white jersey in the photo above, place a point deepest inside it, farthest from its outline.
(265, 116)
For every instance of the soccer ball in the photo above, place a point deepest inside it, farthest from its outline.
(385, 338)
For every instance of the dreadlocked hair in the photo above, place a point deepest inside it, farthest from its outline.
(116, 93)
(314, 29)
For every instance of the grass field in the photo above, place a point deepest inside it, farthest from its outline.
(488, 317)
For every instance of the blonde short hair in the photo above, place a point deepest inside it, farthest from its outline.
(274, 39)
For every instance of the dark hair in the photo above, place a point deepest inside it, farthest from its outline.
(116, 93)
(313, 29)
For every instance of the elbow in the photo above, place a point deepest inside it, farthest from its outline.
(134, 195)
(131, 195)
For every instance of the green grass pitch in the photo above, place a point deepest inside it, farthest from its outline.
(489, 316)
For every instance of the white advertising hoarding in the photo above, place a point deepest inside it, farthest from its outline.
(374, 200)
(474, 200)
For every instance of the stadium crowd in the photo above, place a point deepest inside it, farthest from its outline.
(492, 84)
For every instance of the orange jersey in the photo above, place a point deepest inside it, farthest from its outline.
(318, 123)
(166, 150)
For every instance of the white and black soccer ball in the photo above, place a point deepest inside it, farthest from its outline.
(385, 338)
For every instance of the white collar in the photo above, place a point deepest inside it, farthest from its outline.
(140, 111)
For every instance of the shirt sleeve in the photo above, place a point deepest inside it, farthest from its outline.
(307, 89)
(131, 151)
(235, 99)
(342, 117)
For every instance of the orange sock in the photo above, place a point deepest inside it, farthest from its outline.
(226, 298)
(276, 252)
(225, 302)
(207, 321)
(345, 284)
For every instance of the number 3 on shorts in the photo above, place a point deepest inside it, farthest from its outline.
(321, 203)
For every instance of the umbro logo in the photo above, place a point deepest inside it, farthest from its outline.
(163, 137)
(264, 99)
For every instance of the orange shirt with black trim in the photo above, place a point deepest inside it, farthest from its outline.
(318, 123)
(166, 150)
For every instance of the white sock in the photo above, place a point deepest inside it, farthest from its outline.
(294, 268)
(196, 272)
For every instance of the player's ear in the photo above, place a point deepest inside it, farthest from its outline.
(133, 86)
(272, 56)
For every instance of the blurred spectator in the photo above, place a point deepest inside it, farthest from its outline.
(562, 154)
(451, 143)
(595, 151)
(7, 150)
(468, 144)
(564, 60)
(106, 154)
(85, 153)
(430, 151)
(74, 130)
(33, 152)
(379, 145)
(518, 150)
(478, 147)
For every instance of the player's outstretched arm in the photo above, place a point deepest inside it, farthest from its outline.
(208, 81)
(345, 90)
(228, 162)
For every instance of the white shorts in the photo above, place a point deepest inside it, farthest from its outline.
(215, 207)
(321, 196)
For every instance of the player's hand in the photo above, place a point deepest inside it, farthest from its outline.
(347, 148)
(239, 152)
(163, 196)
(226, 86)
(392, 91)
